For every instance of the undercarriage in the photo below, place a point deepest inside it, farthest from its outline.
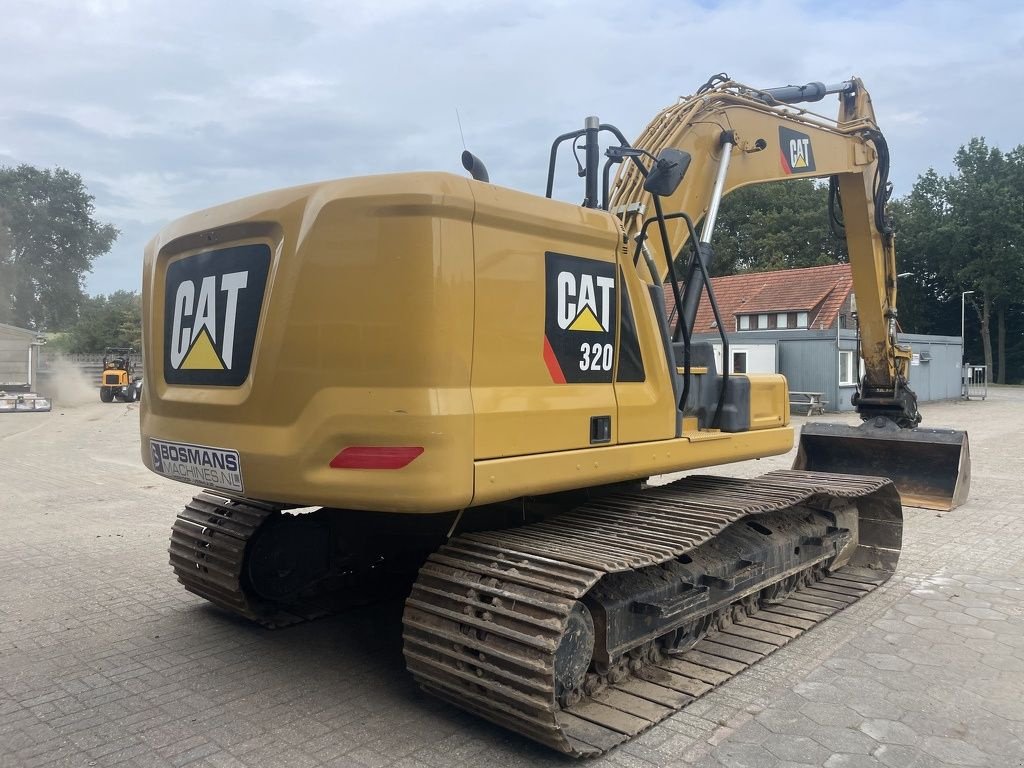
(584, 629)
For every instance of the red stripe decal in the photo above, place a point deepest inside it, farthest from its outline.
(552, 363)
(375, 457)
(785, 161)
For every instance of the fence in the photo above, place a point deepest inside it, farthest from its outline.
(51, 364)
(974, 382)
(87, 362)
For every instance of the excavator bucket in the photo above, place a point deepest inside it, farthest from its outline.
(931, 468)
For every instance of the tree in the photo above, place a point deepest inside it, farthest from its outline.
(964, 232)
(778, 225)
(107, 321)
(986, 233)
(926, 303)
(53, 240)
(6, 271)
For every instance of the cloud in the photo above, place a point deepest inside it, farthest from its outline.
(169, 107)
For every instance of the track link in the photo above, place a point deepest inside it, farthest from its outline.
(490, 611)
(208, 548)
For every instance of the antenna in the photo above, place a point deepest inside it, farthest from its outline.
(459, 119)
(471, 162)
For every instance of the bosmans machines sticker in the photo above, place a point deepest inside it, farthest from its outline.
(797, 156)
(197, 464)
(212, 306)
(580, 317)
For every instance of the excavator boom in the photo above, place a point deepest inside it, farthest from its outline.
(733, 126)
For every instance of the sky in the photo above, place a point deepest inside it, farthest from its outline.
(167, 108)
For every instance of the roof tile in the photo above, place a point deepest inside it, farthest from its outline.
(819, 291)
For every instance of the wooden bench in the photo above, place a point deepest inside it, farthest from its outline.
(811, 401)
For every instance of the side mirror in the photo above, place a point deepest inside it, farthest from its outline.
(667, 173)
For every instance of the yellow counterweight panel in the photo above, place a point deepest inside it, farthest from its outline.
(365, 339)
(112, 377)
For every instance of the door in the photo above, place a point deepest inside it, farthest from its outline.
(544, 338)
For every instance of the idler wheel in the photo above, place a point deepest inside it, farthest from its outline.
(288, 554)
(575, 650)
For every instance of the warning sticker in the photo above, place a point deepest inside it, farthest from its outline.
(198, 464)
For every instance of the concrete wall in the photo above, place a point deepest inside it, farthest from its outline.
(89, 365)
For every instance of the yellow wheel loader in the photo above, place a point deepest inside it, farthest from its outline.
(119, 379)
(481, 381)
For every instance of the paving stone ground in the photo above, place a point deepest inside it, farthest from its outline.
(105, 660)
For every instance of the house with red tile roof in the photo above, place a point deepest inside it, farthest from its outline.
(802, 323)
(811, 298)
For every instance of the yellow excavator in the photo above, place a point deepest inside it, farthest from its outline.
(423, 377)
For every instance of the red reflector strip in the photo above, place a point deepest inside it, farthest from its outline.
(373, 457)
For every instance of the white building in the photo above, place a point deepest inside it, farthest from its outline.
(19, 358)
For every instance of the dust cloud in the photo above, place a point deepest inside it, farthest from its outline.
(67, 385)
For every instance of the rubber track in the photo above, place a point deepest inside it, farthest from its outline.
(488, 609)
(208, 544)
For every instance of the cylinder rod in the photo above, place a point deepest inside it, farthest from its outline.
(708, 227)
(794, 94)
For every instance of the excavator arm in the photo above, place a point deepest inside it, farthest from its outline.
(736, 136)
(728, 136)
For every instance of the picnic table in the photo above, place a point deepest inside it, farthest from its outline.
(812, 401)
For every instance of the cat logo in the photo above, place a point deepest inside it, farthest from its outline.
(211, 312)
(581, 299)
(193, 348)
(580, 317)
(796, 153)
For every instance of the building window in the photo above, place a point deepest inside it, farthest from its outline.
(846, 375)
(739, 362)
(771, 321)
